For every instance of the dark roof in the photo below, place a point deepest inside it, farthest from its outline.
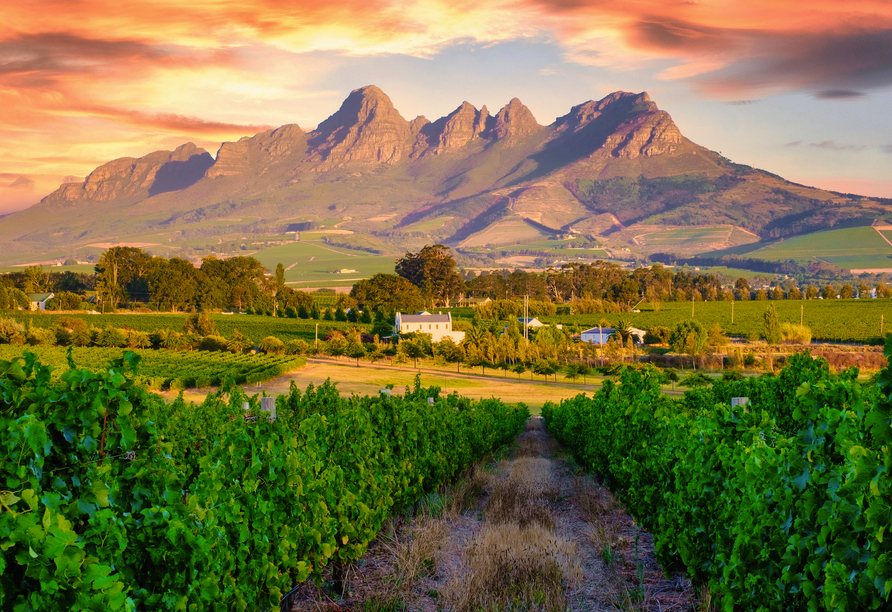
(604, 330)
(424, 318)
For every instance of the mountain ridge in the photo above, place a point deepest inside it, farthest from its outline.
(503, 174)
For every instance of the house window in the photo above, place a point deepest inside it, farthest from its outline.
(428, 325)
(438, 326)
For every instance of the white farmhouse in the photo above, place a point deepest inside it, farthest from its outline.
(39, 300)
(600, 336)
(439, 326)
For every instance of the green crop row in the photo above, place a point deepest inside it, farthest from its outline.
(831, 320)
(255, 327)
(165, 368)
(781, 504)
(114, 500)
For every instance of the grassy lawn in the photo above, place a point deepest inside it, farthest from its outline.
(370, 380)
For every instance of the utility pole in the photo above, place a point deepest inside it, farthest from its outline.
(692, 304)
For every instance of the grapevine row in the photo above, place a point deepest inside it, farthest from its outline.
(783, 503)
(115, 500)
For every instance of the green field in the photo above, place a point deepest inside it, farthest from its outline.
(683, 236)
(850, 248)
(253, 326)
(315, 261)
(830, 320)
(163, 368)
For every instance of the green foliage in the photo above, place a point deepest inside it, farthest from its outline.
(782, 504)
(159, 367)
(688, 337)
(772, 330)
(119, 501)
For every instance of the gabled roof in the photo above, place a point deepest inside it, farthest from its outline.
(424, 318)
(603, 330)
(39, 297)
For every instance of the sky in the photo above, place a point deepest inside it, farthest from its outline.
(801, 88)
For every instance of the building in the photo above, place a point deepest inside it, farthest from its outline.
(39, 300)
(475, 302)
(601, 335)
(531, 322)
(439, 326)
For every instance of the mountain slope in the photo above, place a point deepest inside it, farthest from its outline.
(491, 179)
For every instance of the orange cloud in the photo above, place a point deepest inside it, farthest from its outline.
(103, 77)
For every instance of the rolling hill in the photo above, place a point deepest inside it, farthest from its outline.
(614, 171)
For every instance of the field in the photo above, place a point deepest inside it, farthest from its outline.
(850, 248)
(162, 368)
(830, 320)
(255, 327)
(314, 261)
(367, 380)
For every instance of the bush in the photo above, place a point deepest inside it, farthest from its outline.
(795, 334)
(296, 347)
(657, 335)
(273, 345)
(213, 343)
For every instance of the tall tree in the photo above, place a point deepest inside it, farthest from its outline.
(772, 328)
(433, 271)
(388, 292)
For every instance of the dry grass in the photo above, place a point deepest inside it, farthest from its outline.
(512, 567)
(512, 503)
(414, 551)
(466, 493)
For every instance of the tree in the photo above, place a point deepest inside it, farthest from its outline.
(239, 342)
(200, 323)
(122, 274)
(355, 349)
(716, 336)
(742, 287)
(387, 292)
(433, 271)
(413, 348)
(272, 345)
(545, 367)
(772, 329)
(846, 292)
(519, 368)
(172, 284)
(695, 379)
(689, 338)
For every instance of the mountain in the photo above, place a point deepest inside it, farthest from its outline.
(470, 178)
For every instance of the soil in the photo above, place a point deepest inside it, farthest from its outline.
(525, 530)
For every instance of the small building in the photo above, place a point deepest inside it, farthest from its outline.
(39, 300)
(439, 326)
(475, 302)
(530, 322)
(602, 335)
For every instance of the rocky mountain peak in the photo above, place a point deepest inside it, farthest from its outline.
(137, 178)
(514, 119)
(367, 128)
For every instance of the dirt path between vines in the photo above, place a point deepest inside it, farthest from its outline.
(525, 531)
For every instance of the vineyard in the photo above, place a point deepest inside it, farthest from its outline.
(118, 501)
(830, 320)
(255, 327)
(781, 503)
(160, 369)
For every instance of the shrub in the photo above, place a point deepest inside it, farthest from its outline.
(273, 345)
(795, 334)
(212, 343)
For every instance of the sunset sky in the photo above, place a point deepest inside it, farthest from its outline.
(802, 88)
